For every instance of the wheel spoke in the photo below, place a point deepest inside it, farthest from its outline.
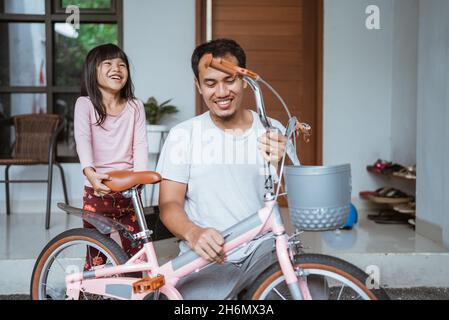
(329, 278)
(279, 294)
(69, 251)
(90, 257)
(60, 265)
(341, 291)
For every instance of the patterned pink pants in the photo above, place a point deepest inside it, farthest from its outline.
(114, 206)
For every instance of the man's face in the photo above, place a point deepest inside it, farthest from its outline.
(222, 93)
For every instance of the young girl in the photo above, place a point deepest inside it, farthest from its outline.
(110, 135)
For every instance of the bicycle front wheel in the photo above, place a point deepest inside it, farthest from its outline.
(328, 278)
(74, 250)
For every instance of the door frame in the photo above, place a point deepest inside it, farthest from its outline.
(200, 36)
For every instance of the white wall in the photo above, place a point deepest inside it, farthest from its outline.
(369, 86)
(404, 81)
(433, 119)
(357, 87)
(368, 80)
(159, 39)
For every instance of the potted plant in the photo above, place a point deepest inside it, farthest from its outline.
(154, 112)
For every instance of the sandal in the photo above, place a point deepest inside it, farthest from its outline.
(392, 196)
(378, 192)
(407, 173)
(395, 218)
(380, 215)
(394, 167)
(406, 207)
(378, 166)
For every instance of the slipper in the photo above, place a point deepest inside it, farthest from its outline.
(398, 218)
(406, 173)
(394, 167)
(378, 166)
(381, 215)
(393, 216)
(406, 207)
(378, 192)
(392, 196)
(399, 221)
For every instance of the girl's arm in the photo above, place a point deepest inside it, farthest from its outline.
(83, 132)
(140, 144)
(83, 139)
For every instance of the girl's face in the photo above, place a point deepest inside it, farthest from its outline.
(112, 75)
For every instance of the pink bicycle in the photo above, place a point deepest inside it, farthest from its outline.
(59, 270)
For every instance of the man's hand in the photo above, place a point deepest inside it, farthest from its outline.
(272, 145)
(96, 180)
(207, 242)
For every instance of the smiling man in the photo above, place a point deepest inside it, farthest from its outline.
(213, 170)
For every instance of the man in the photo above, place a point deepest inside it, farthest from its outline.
(213, 165)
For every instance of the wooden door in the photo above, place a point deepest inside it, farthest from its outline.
(283, 43)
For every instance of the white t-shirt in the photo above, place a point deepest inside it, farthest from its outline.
(224, 172)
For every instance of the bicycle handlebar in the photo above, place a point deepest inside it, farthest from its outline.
(228, 67)
(252, 79)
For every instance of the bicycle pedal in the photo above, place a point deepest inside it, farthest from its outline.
(148, 284)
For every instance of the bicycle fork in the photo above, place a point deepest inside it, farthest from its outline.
(297, 285)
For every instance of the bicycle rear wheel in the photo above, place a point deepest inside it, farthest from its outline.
(328, 278)
(68, 253)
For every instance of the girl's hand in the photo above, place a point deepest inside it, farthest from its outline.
(96, 180)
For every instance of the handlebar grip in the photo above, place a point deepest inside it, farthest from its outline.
(228, 67)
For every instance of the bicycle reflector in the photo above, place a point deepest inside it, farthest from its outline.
(148, 284)
(228, 67)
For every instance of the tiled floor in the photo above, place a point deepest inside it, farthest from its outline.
(404, 259)
(369, 237)
(22, 236)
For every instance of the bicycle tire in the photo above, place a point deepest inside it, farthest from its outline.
(107, 244)
(309, 262)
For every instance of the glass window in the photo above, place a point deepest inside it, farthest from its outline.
(88, 4)
(22, 54)
(12, 104)
(71, 48)
(65, 107)
(26, 59)
(23, 6)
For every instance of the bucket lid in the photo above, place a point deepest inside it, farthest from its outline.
(316, 170)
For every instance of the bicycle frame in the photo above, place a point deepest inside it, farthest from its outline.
(100, 281)
(267, 219)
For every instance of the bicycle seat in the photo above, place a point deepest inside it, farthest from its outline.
(124, 180)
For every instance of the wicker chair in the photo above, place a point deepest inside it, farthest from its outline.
(35, 141)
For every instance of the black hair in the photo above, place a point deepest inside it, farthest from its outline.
(89, 84)
(219, 48)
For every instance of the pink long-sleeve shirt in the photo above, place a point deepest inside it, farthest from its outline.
(119, 144)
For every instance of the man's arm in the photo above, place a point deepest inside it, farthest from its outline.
(207, 242)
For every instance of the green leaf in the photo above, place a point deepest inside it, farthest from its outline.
(169, 109)
(154, 111)
(165, 102)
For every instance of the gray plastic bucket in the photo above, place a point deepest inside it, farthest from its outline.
(319, 198)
